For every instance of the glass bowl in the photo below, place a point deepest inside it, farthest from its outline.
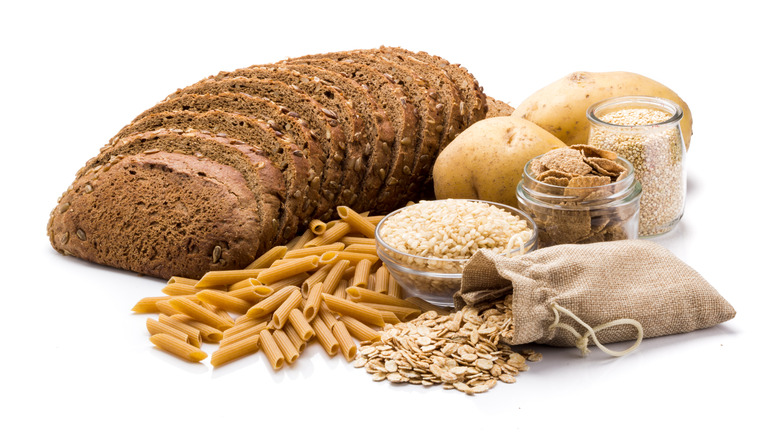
(436, 280)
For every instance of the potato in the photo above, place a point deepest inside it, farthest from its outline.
(486, 160)
(561, 106)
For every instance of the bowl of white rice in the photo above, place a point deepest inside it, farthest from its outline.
(425, 246)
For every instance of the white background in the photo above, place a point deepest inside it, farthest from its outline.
(76, 362)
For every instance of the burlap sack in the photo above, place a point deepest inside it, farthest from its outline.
(604, 285)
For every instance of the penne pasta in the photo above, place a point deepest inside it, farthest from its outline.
(301, 240)
(352, 257)
(390, 317)
(295, 266)
(356, 221)
(268, 257)
(345, 342)
(327, 316)
(270, 304)
(403, 313)
(371, 283)
(178, 347)
(280, 315)
(244, 319)
(200, 313)
(251, 294)
(354, 240)
(239, 336)
(358, 311)
(332, 280)
(382, 279)
(294, 338)
(325, 336)
(317, 277)
(224, 278)
(364, 295)
(244, 324)
(165, 308)
(360, 331)
(222, 313)
(301, 326)
(149, 304)
(272, 352)
(154, 327)
(341, 290)
(375, 219)
(252, 281)
(362, 248)
(194, 336)
(176, 289)
(182, 280)
(331, 235)
(317, 226)
(222, 300)
(235, 350)
(313, 301)
(295, 280)
(313, 250)
(207, 332)
(362, 271)
(289, 351)
(393, 288)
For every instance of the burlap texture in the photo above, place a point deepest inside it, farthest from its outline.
(598, 282)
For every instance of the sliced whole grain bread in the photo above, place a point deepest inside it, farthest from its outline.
(262, 177)
(497, 108)
(375, 139)
(400, 110)
(155, 214)
(331, 138)
(284, 155)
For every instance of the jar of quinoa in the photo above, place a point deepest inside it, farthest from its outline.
(646, 132)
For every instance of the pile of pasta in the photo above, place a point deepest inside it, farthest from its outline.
(326, 285)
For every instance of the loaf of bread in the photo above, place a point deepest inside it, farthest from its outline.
(222, 170)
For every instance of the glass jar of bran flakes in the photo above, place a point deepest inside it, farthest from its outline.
(646, 131)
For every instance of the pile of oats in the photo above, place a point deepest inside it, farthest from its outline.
(460, 350)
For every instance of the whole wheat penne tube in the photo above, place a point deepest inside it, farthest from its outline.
(294, 338)
(427, 307)
(362, 271)
(360, 331)
(356, 221)
(281, 314)
(295, 280)
(200, 313)
(355, 310)
(224, 278)
(375, 219)
(235, 350)
(317, 277)
(244, 319)
(268, 257)
(194, 336)
(364, 295)
(325, 336)
(222, 313)
(178, 347)
(207, 332)
(182, 280)
(289, 351)
(268, 305)
(362, 248)
(313, 250)
(222, 300)
(327, 316)
(301, 240)
(251, 294)
(382, 277)
(393, 288)
(336, 272)
(390, 317)
(165, 308)
(329, 257)
(313, 301)
(332, 234)
(317, 226)
(177, 289)
(371, 283)
(345, 341)
(237, 337)
(272, 352)
(149, 304)
(154, 326)
(403, 313)
(295, 266)
(245, 324)
(252, 281)
(341, 290)
(301, 326)
(355, 240)
(352, 257)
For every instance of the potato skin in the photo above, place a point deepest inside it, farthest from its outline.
(560, 107)
(486, 160)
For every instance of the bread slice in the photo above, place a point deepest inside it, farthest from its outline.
(284, 155)
(400, 110)
(262, 177)
(154, 213)
(497, 108)
(375, 139)
(331, 138)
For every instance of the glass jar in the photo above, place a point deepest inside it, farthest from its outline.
(581, 214)
(646, 131)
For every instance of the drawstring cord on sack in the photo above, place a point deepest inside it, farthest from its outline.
(582, 340)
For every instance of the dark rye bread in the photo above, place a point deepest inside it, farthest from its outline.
(330, 138)
(284, 155)
(393, 100)
(339, 111)
(163, 205)
(423, 99)
(474, 106)
(376, 139)
(262, 177)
